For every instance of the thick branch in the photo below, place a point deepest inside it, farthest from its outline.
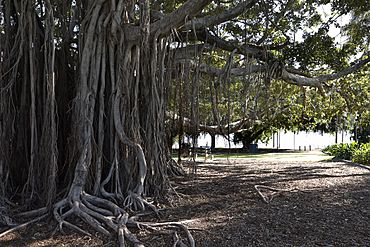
(220, 18)
(246, 49)
(167, 22)
(188, 126)
(292, 76)
(188, 10)
(317, 81)
(190, 51)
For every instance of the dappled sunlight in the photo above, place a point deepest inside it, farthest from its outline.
(316, 203)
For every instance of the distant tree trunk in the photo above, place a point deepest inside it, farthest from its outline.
(247, 137)
(246, 144)
(213, 141)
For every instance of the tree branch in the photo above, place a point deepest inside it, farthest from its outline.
(220, 18)
(167, 22)
(289, 75)
(187, 11)
(250, 69)
(188, 126)
(220, 43)
(190, 51)
(317, 81)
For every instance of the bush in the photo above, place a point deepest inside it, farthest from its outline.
(342, 150)
(362, 155)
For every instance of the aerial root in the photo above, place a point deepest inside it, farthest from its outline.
(275, 192)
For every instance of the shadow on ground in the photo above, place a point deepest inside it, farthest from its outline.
(319, 203)
(327, 204)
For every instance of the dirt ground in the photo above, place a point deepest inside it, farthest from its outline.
(313, 203)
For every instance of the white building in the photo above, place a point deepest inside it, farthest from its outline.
(283, 140)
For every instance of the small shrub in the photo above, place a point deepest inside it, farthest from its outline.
(342, 150)
(362, 155)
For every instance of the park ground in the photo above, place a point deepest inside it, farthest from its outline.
(302, 199)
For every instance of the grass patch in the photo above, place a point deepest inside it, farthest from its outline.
(238, 155)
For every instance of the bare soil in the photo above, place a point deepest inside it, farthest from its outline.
(317, 203)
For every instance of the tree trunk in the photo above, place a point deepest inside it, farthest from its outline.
(107, 121)
(213, 142)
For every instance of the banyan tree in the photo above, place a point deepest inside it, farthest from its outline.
(86, 87)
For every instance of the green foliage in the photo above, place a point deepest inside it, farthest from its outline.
(309, 46)
(342, 150)
(359, 153)
(361, 130)
(247, 137)
(362, 155)
(318, 49)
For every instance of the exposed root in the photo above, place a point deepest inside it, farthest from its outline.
(33, 213)
(275, 192)
(106, 217)
(134, 201)
(192, 166)
(18, 227)
(177, 242)
(174, 169)
(73, 227)
(137, 203)
(348, 162)
(175, 225)
(5, 218)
